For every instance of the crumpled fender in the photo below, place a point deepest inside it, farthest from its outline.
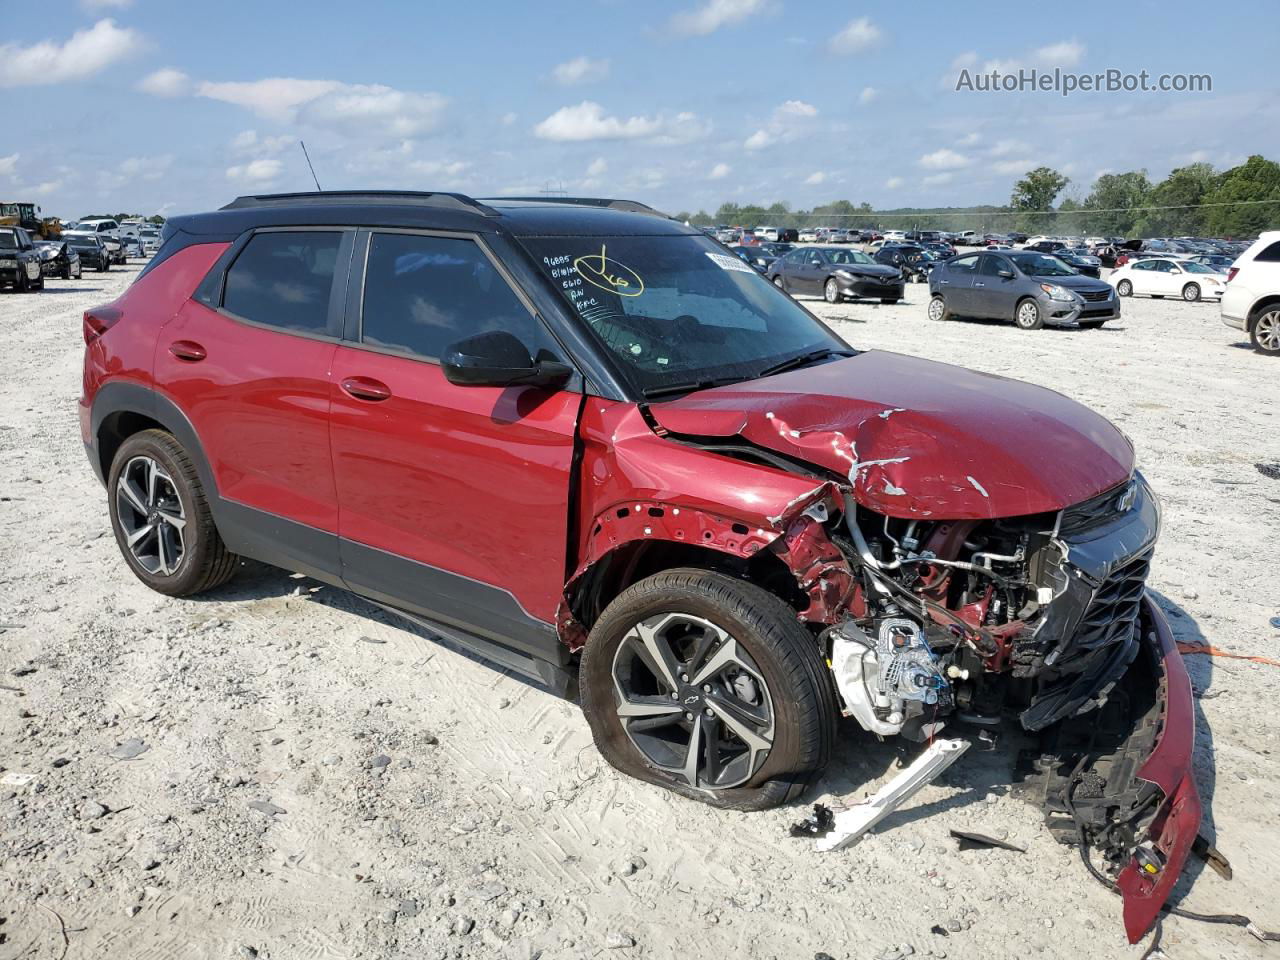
(1177, 821)
(636, 485)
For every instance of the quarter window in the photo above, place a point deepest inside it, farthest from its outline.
(1271, 254)
(283, 279)
(422, 294)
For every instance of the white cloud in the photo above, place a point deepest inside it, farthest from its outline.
(507, 119)
(580, 70)
(597, 166)
(248, 141)
(260, 171)
(967, 59)
(146, 168)
(9, 164)
(94, 5)
(868, 94)
(86, 53)
(360, 109)
(719, 171)
(758, 140)
(588, 121)
(936, 179)
(166, 82)
(893, 183)
(1010, 167)
(44, 189)
(274, 97)
(944, 159)
(858, 35)
(1065, 54)
(797, 108)
(1005, 148)
(815, 178)
(710, 16)
(969, 139)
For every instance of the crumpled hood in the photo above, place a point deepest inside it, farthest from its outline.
(918, 438)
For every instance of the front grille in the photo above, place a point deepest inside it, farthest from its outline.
(1096, 296)
(1114, 610)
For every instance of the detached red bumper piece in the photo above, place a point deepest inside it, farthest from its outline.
(1171, 832)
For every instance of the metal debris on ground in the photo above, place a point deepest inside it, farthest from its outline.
(852, 823)
(818, 824)
(129, 750)
(1275, 622)
(265, 806)
(980, 841)
(1211, 855)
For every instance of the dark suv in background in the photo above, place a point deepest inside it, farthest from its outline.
(1031, 289)
(588, 442)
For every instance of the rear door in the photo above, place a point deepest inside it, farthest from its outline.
(248, 361)
(453, 501)
(955, 282)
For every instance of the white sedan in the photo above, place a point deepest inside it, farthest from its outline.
(1168, 277)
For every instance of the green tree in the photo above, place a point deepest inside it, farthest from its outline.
(1036, 192)
(1113, 197)
(1257, 179)
(1184, 188)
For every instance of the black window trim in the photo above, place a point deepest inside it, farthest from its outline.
(353, 328)
(213, 288)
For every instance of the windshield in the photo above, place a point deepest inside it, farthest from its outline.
(676, 311)
(847, 256)
(1041, 265)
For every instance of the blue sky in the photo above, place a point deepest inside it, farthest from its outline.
(160, 105)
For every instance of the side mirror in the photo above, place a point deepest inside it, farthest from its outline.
(499, 359)
(1005, 274)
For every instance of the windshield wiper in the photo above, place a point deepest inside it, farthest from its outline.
(688, 386)
(802, 361)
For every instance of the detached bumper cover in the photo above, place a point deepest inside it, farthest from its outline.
(1174, 827)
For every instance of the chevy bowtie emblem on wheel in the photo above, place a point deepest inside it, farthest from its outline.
(693, 699)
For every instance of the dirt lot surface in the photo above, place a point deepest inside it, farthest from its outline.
(278, 770)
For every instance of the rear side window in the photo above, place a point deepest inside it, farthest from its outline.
(284, 279)
(963, 264)
(1271, 254)
(422, 294)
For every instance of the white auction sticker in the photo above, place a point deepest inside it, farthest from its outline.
(728, 263)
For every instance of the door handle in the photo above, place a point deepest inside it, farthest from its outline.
(366, 388)
(978, 283)
(187, 350)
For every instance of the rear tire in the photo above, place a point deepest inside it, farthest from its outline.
(1264, 331)
(770, 663)
(161, 518)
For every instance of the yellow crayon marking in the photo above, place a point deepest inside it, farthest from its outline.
(600, 271)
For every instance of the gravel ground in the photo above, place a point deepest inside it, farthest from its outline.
(279, 770)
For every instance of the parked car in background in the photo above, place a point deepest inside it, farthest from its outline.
(1214, 261)
(1045, 246)
(837, 273)
(1084, 263)
(967, 238)
(895, 236)
(788, 235)
(150, 241)
(91, 250)
(766, 233)
(728, 234)
(132, 245)
(756, 255)
(105, 230)
(59, 259)
(1031, 289)
(915, 262)
(19, 261)
(939, 247)
(808, 235)
(1168, 277)
(1252, 299)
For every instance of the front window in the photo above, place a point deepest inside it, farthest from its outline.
(848, 257)
(1041, 265)
(677, 311)
(1192, 267)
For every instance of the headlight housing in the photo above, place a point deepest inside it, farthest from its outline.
(1056, 292)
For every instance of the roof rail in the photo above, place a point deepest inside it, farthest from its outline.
(456, 201)
(628, 206)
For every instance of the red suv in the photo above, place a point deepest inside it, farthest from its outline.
(592, 444)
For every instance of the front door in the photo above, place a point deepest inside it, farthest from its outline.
(453, 501)
(955, 283)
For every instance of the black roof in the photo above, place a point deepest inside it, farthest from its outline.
(515, 216)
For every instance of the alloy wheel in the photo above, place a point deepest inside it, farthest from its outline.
(1028, 314)
(936, 308)
(1191, 292)
(151, 516)
(1267, 330)
(692, 701)
(832, 292)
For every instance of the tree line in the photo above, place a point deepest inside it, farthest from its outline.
(1193, 200)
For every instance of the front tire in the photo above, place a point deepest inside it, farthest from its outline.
(161, 518)
(1191, 292)
(1028, 315)
(831, 291)
(1124, 288)
(709, 686)
(1264, 332)
(780, 283)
